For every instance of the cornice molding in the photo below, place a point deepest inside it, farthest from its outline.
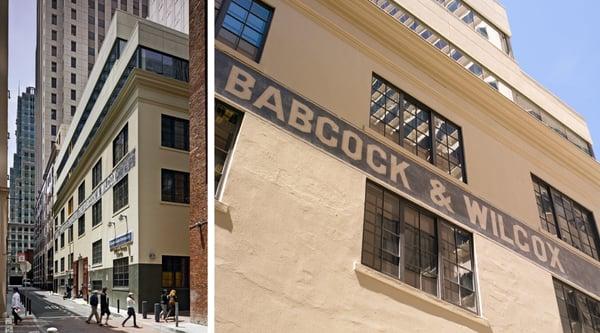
(469, 89)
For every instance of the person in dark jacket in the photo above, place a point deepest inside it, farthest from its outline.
(94, 307)
(104, 310)
(164, 302)
(171, 305)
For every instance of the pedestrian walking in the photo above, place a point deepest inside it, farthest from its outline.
(164, 302)
(16, 306)
(130, 311)
(94, 308)
(171, 305)
(104, 310)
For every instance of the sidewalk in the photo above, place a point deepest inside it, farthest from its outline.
(185, 326)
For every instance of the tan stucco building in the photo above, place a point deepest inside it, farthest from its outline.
(121, 177)
(386, 166)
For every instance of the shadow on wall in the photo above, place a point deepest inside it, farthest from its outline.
(375, 284)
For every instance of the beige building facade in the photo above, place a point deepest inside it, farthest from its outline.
(3, 147)
(122, 197)
(386, 166)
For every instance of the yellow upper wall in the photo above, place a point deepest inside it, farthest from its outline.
(330, 61)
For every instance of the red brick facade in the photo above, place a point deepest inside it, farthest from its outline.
(198, 180)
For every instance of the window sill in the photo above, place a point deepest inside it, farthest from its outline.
(81, 236)
(96, 226)
(162, 202)
(122, 209)
(183, 151)
(222, 207)
(408, 295)
(96, 265)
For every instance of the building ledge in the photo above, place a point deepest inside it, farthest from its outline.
(401, 292)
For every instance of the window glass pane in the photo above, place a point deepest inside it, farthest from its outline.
(227, 123)
(244, 26)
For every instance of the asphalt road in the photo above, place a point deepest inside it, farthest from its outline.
(65, 315)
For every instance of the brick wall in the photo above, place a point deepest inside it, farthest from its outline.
(198, 180)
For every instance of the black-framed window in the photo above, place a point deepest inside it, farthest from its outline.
(411, 244)
(81, 225)
(175, 272)
(565, 218)
(97, 173)
(120, 194)
(62, 264)
(175, 132)
(175, 186)
(578, 312)
(81, 193)
(97, 213)
(121, 272)
(97, 252)
(227, 124)
(120, 145)
(70, 234)
(243, 25)
(409, 123)
(62, 240)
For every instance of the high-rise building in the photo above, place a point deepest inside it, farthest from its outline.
(386, 166)
(198, 160)
(121, 194)
(69, 36)
(171, 13)
(22, 182)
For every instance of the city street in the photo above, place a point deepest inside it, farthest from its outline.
(67, 316)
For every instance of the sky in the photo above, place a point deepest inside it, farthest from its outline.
(21, 59)
(555, 42)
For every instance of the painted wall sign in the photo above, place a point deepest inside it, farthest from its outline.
(306, 120)
(120, 241)
(118, 173)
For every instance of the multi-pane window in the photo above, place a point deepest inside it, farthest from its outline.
(73, 30)
(120, 194)
(62, 240)
(54, 34)
(73, 46)
(411, 244)
(53, 52)
(227, 124)
(121, 272)
(175, 132)
(53, 98)
(73, 78)
(53, 114)
(175, 272)
(97, 213)
(70, 234)
(73, 94)
(54, 19)
(243, 25)
(53, 66)
(73, 62)
(73, 14)
(62, 264)
(53, 130)
(97, 173)
(565, 218)
(120, 145)
(409, 123)
(53, 82)
(81, 193)
(175, 186)
(97, 252)
(578, 312)
(81, 225)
